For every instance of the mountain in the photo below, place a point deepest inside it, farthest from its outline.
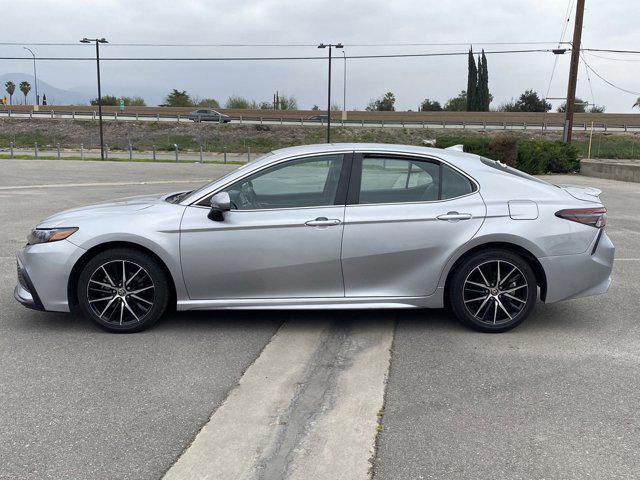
(55, 96)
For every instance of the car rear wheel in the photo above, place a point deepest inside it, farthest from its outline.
(493, 291)
(123, 290)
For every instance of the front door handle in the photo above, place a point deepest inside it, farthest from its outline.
(453, 216)
(323, 222)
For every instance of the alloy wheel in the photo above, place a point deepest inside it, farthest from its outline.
(120, 292)
(495, 292)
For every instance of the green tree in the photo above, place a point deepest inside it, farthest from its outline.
(483, 99)
(25, 88)
(11, 87)
(177, 98)
(208, 103)
(597, 109)
(472, 83)
(265, 105)
(457, 104)
(529, 101)
(107, 100)
(579, 106)
(134, 101)
(235, 101)
(316, 107)
(428, 105)
(385, 104)
(287, 102)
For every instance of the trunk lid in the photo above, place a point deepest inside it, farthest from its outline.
(586, 194)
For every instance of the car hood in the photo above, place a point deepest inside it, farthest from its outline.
(116, 207)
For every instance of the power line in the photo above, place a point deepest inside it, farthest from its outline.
(560, 42)
(613, 58)
(242, 45)
(610, 50)
(213, 59)
(607, 81)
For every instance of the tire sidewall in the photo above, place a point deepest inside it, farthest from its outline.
(156, 273)
(461, 273)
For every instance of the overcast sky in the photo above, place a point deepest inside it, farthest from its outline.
(607, 25)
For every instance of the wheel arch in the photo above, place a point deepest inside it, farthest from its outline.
(72, 294)
(525, 253)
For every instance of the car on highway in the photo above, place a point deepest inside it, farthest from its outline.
(332, 226)
(318, 118)
(208, 115)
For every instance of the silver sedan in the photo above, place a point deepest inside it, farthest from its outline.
(339, 226)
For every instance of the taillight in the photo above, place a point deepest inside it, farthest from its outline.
(594, 217)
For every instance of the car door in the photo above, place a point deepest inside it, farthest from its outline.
(281, 239)
(404, 218)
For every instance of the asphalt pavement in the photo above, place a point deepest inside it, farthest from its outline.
(555, 398)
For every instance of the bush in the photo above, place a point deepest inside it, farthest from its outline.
(535, 157)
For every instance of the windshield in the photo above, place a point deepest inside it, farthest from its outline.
(206, 185)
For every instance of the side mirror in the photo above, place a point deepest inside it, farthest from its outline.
(220, 203)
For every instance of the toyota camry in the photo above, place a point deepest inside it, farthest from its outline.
(333, 226)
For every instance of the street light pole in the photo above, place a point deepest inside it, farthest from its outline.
(330, 45)
(98, 41)
(35, 76)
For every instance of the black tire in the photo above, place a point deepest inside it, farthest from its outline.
(138, 305)
(479, 303)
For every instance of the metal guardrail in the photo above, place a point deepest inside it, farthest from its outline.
(274, 120)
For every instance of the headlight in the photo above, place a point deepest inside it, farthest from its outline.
(44, 235)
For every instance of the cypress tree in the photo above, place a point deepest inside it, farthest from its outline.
(472, 83)
(484, 97)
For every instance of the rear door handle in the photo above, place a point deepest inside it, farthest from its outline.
(454, 216)
(323, 222)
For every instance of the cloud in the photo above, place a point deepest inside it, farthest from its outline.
(610, 25)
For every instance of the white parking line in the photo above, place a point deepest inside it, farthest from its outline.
(307, 408)
(103, 184)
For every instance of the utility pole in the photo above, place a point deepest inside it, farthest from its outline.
(573, 72)
(330, 45)
(98, 41)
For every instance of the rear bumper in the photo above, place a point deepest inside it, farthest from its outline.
(582, 275)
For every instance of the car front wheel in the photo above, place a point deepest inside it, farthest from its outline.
(493, 291)
(123, 290)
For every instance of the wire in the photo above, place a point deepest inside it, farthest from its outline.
(593, 98)
(560, 42)
(608, 82)
(241, 45)
(212, 59)
(612, 58)
(610, 51)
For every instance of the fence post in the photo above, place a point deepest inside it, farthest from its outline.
(35, 149)
(175, 146)
(136, 116)
(281, 120)
(248, 154)
(178, 118)
(51, 113)
(106, 152)
(30, 114)
(81, 151)
(58, 150)
(302, 121)
(201, 154)
(157, 117)
(240, 119)
(625, 127)
(260, 120)
(11, 149)
(130, 151)
(444, 124)
(524, 125)
(93, 115)
(9, 113)
(504, 125)
(73, 115)
(484, 126)
(224, 149)
(115, 116)
(154, 152)
(464, 125)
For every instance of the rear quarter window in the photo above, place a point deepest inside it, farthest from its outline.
(454, 184)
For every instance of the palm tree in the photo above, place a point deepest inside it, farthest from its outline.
(637, 104)
(25, 88)
(11, 87)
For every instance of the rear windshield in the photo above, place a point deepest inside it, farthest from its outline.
(512, 171)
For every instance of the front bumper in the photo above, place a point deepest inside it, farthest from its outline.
(582, 275)
(43, 275)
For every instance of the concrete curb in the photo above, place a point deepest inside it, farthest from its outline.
(623, 170)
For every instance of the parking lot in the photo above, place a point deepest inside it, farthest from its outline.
(555, 398)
